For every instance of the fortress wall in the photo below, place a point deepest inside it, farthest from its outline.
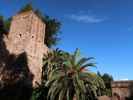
(122, 88)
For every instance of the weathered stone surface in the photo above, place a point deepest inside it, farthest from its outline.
(104, 98)
(122, 89)
(27, 34)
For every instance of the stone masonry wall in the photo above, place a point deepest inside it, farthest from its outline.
(122, 89)
(27, 34)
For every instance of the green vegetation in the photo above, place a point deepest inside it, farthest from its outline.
(3, 25)
(26, 8)
(66, 76)
(107, 80)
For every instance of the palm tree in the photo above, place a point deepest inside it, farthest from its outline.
(70, 79)
(52, 60)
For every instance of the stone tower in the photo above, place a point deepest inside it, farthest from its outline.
(27, 34)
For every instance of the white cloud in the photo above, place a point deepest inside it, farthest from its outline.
(86, 18)
(124, 79)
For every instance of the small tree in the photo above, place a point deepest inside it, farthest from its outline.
(27, 7)
(107, 80)
(2, 26)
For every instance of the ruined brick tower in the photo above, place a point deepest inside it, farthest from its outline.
(27, 34)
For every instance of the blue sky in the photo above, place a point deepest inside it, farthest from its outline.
(100, 28)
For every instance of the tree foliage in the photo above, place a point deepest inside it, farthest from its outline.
(27, 7)
(3, 24)
(107, 80)
(66, 77)
(52, 29)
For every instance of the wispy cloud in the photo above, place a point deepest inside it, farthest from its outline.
(86, 18)
(130, 28)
